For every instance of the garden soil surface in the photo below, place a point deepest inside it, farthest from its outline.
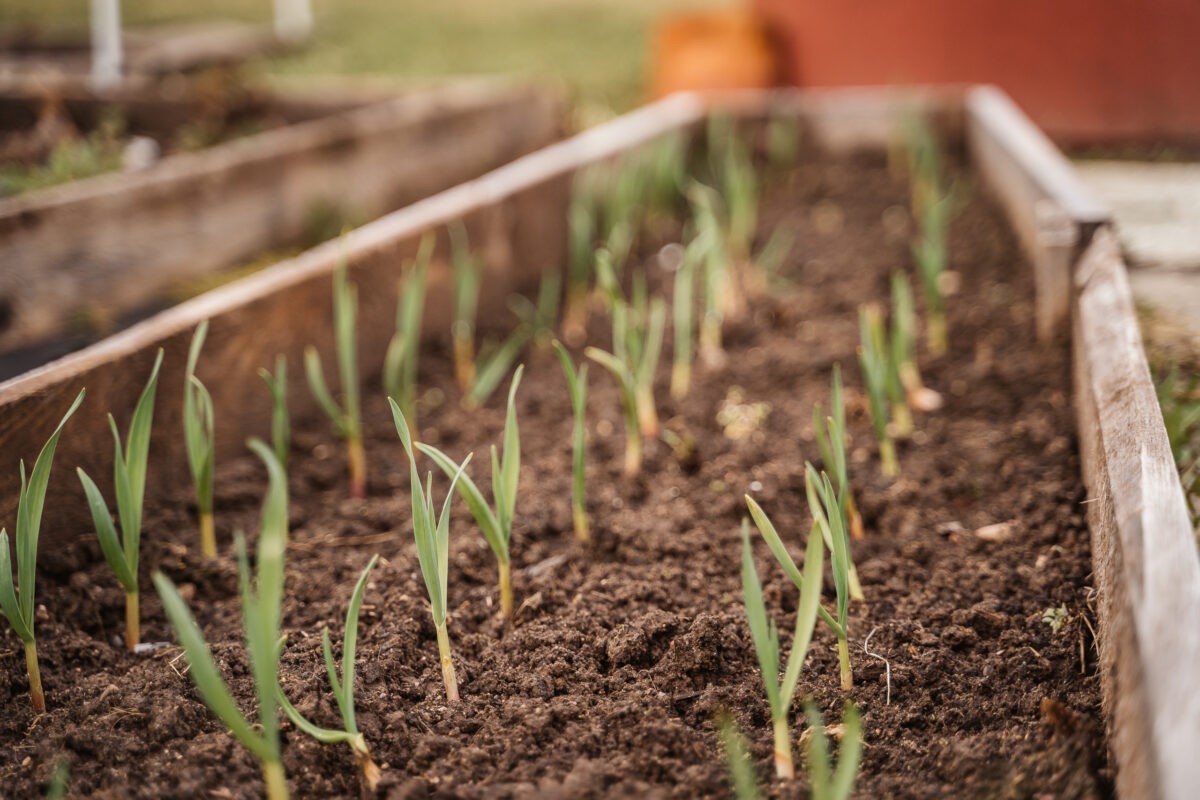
(624, 650)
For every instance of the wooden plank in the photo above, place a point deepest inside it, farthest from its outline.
(515, 219)
(112, 244)
(1146, 564)
(1051, 211)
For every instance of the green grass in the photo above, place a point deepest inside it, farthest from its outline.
(598, 49)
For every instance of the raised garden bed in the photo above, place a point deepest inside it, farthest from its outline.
(85, 257)
(624, 650)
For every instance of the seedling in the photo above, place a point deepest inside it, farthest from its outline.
(494, 365)
(929, 252)
(17, 601)
(540, 318)
(880, 342)
(1056, 617)
(739, 186)
(129, 469)
(468, 276)
(577, 387)
(825, 782)
(432, 534)
(684, 301)
(581, 252)
(346, 418)
(830, 517)
(343, 691)
(281, 427)
(742, 775)
(830, 433)
(198, 434)
(904, 350)
(765, 636)
(496, 525)
(767, 529)
(637, 343)
(400, 362)
(783, 142)
(874, 361)
(720, 290)
(262, 598)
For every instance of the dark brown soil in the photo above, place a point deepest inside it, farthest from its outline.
(625, 650)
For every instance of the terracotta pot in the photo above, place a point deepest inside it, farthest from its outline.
(1081, 69)
(712, 50)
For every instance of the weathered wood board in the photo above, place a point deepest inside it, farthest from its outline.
(111, 244)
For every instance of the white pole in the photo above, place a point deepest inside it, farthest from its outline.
(106, 43)
(293, 20)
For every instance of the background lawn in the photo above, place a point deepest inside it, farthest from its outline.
(598, 49)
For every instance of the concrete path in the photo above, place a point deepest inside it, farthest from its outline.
(1157, 211)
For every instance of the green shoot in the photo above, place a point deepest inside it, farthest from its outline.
(874, 358)
(739, 186)
(830, 518)
(468, 276)
(826, 782)
(577, 387)
(432, 534)
(637, 344)
(881, 342)
(198, 434)
(582, 235)
(684, 300)
(929, 252)
(540, 318)
(347, 419)
(281, 426)
(400, 363)
(496, 525)
(262, 599)
(765, 636)
(16, 602)
(130, 470)
(720, 292)
(741, 769)
(775, 544)
(343, 690)
(830, 433)
(494, 365)
(904, 349)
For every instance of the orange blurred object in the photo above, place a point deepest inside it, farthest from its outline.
(711, 51)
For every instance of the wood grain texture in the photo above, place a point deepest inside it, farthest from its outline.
(1050, 210)
(514, 216)
(1146, 564)
(112, 244)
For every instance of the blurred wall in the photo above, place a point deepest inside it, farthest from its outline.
(1083, 69)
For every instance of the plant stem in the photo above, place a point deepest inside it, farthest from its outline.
(784, 768)
(856, 592)
(681, 379)
(887, 457)
(506, 597)
(712, 353)
(935, 333)
(356, 460)
(448, 676)
(370, 770)
(854, 518)
(133, 627)
(275, 780)
(582, 531)
(464, 362)
(647, 414)
(35, 678)
(844, 663)
(902, 420)
(208, 535)
(633, 452)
